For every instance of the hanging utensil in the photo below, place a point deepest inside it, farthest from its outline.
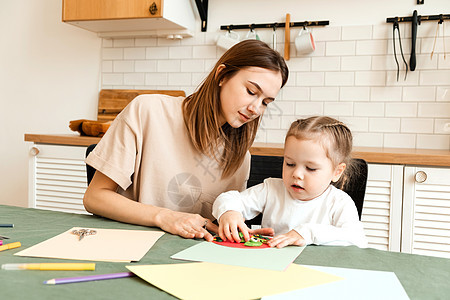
(287, 37)
(274, 36)
(396, 27)
(414, 23)
(441, 22)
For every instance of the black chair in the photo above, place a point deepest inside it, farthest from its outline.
(263, 167)
(90, 171)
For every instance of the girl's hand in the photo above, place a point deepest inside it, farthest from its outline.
(186, 225)
(290, 238)
(230, 223)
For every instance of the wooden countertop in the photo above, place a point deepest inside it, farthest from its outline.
(398, 156)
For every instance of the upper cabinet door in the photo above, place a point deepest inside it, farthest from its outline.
(84, 10)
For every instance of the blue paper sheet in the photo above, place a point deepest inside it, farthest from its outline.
(358, 284)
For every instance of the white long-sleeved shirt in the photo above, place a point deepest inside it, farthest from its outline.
(330, 219)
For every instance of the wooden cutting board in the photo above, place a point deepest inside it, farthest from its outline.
(111, 102)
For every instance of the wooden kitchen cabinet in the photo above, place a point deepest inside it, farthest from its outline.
(57, 178)
(407, 209)
(426, 211)
(128, 18)
(382, 209)
(82, 10)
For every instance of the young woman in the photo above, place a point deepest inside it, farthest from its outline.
(165, 159)
(302, 208)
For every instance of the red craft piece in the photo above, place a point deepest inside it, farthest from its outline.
(239, 245)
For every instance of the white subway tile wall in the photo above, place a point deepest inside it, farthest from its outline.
(351, 76)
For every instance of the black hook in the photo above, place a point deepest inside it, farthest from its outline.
(441, 19)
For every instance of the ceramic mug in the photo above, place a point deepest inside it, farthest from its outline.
(304, 42)
(252, 35)
(228, 40)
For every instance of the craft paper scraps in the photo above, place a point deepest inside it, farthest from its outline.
(358, 284)
(115, 245)
(269, 259)
(215, 281)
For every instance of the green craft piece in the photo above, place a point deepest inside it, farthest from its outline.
(252, 244)
(241, 235)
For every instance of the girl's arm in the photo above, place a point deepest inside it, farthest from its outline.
(102, 199)
(345, 228)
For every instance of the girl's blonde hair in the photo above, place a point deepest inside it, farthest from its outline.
(335, 137)
(202, 109)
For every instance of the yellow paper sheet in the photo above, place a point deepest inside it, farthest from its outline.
(114, 245)
(216, 281)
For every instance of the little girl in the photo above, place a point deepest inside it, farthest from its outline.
(302, 208)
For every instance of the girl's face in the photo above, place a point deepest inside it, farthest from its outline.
(307, 171)
(245, 95)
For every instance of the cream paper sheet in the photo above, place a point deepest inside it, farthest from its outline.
(114, 245)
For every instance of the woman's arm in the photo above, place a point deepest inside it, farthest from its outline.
(102, 199)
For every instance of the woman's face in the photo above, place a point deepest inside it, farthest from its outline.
(245, 95)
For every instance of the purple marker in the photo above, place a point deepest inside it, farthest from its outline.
(1, 242)
(89, 278)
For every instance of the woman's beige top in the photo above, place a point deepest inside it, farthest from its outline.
(147, 151)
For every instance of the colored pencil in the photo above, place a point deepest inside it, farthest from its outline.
(10, 246)
(89, 278)
(7, 225)
(51, 266)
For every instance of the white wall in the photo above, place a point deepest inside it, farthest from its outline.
(49, 74)
(351, 75)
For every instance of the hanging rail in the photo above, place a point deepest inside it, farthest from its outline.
(276, 25)
(440, 18)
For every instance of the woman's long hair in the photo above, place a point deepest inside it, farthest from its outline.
(202, 109)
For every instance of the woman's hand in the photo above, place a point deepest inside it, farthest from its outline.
(185, 224)
(290, 238)
(262, 231)
(230, 223)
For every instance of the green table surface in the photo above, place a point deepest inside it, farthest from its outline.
(423, 277)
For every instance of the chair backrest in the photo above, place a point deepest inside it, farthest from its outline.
(356, 187)
(90, 171)
(263, 167)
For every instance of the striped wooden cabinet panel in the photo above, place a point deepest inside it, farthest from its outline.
(381, 213)
(57, 178)
(426, 211)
